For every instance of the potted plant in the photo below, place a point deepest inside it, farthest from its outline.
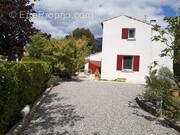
(97, 75)
(175, 92)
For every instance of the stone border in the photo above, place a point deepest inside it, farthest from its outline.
(19, 127)
(174, 124)
(149, 107)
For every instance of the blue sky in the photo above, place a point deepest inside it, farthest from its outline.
(169, 11)
(61, 17)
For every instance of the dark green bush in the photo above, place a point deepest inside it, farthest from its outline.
(158, 84)
(54, 80)
(21, 83)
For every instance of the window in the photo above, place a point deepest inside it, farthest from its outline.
(131, 33)
(127, 62)
(128, 33)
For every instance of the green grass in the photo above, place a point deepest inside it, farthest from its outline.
(116, 80)
(120, 80)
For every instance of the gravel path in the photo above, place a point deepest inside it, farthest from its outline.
(95, 108)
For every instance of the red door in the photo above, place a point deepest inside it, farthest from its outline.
(94, 66)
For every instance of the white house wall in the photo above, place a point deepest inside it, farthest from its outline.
(157, 48)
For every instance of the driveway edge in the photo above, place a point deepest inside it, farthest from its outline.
(19, 127)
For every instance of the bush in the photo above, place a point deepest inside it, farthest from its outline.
(158, 84)
(35, 47)
(29, 59)
(54, 80)
(21, 83)
(67, 56)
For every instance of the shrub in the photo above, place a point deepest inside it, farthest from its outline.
(158, 84)
(67, 56)
(54, 80)
(97, 74)
(21, 83)
(3, 57)
(35, 47)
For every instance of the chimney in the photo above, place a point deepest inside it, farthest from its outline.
(153, 22)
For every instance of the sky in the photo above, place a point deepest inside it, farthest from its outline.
(61, 17)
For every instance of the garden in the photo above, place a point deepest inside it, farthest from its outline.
(162, 97)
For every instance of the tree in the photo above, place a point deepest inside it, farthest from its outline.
(15, 27)
(172, 48)
(36, 46)
(67, 56)
(80, 32)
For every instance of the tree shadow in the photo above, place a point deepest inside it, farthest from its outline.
(139, 113)
(49, 116)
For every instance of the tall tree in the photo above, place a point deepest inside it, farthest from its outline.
(37, 44)
(173, 48)
(66, 55)
(15, 27)
(80, 32)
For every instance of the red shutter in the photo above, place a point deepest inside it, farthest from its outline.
(136, 63)
(125, 33)
(119, 62)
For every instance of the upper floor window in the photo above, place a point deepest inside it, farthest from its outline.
(131, 33)
(128, 33)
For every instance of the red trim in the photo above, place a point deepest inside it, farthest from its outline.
(94, 66)
(136, 63)
(119, 62)
(125, 33)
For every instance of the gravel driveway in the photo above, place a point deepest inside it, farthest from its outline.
(95, 108)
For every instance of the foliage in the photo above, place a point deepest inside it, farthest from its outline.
(97, 74)
(3, 57)
(172, 48)
(53, 81)
(80, 32)
(162, 79)
(26, 58)
(15, 26)
(158, 84)
(20, 84)
(67, 56)
(36, 46)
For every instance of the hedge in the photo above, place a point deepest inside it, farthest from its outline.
(21, 83)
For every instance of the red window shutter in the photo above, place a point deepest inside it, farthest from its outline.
(119, 62)
(136, 63)
(125, 33)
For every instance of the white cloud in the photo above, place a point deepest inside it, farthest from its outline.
(45, 26)
(99, 10)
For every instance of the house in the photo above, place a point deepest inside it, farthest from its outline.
(94, 63)
(128, 49)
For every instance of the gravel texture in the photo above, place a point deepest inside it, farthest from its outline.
(95, 108)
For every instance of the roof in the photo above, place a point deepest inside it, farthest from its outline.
(127, 17)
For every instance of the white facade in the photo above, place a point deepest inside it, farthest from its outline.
(143, 46)
(93, 57)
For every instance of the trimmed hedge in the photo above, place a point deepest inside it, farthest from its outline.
(21, 83)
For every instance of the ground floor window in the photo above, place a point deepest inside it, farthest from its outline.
(128, 62)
